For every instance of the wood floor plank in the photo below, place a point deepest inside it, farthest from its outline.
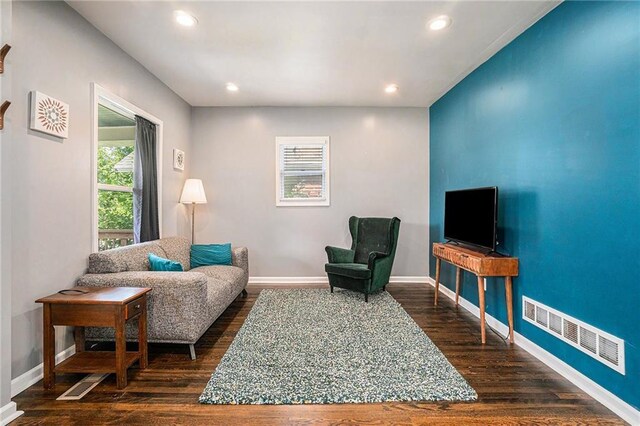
(513, 387)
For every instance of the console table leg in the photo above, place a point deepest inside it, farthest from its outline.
(481, 300)
(458, 273)
(435, 302)
(509, 297)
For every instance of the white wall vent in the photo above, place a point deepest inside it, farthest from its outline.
(600, 345)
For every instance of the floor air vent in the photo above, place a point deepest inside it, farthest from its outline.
(82, 388)
(602, 346)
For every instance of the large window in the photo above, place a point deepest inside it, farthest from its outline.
(122, 157)
(302, 176)
(116, 144)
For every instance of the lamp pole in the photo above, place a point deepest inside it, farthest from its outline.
(193, 222)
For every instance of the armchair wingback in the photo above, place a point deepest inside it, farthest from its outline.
(366, 267)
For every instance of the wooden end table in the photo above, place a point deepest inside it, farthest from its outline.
(95, 307)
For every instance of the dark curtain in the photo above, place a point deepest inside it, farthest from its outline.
(146, 225)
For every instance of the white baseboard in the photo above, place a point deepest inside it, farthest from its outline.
(9, 413)
(288, 280)
(409, 279)
(34, 375)
(597, 392)
(324, 280)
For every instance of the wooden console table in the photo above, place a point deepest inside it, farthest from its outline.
(482, 265)
(95, 307)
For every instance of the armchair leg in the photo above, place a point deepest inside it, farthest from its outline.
(192, 352)
(331, 289)
(366, 297)
(244, 293)
(384, 288)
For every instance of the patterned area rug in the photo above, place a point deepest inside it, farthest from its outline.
(308, 346)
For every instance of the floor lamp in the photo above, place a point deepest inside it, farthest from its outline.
(193, 193)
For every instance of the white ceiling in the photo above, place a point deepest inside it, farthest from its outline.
(311, 53)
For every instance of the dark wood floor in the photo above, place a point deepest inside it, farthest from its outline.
(513, 387)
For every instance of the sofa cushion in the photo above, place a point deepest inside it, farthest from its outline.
(222, 272)
(106, 263)
(352, 270)
(157, 263)
(137, 258)
(122, 259)
(210, 254)
(177, 249)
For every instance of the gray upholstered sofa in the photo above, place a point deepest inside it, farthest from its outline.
(182, 305)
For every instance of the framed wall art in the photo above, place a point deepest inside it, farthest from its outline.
(178, 159)
(49, 115)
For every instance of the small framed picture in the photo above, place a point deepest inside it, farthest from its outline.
(178, 159)
(49, 115)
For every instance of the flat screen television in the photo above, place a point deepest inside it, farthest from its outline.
(471, 216)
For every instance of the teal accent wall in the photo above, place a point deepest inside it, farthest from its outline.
(553, 120)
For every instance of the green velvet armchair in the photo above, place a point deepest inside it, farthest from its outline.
(366, 267)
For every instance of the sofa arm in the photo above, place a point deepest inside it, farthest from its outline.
(340, 255)
(177, 303)
(240, 258)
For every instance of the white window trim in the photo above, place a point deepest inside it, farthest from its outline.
(100, 95)
(302, 202)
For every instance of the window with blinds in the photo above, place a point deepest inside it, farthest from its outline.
(302, 176)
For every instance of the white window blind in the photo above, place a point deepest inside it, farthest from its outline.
(303, 171)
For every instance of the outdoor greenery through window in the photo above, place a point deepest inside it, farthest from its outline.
(303, 171)
(116, 143)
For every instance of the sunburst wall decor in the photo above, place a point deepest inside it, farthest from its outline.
(49, 115)
(178, 159)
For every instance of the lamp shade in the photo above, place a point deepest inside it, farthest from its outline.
(193, 192)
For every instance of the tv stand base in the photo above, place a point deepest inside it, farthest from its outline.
(482, 265)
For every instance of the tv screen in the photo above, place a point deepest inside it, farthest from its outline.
(471, 215)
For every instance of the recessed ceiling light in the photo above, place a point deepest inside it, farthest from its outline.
(391, 88)
(185, 19)
(439, 23)
(232, 87)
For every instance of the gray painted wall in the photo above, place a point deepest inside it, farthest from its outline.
(379, 167)
(47, 181)
(5, 283)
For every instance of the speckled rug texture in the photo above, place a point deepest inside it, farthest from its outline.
(308, 346)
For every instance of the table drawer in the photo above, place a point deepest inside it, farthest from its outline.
(469, 263)
(81, 315)
(135, 307)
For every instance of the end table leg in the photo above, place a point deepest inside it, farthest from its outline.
(509, 298)
(78, 334)
(458, 274)
(435, 302)
(481, 299)
(142, 336)
(121, 348)
(48, 348)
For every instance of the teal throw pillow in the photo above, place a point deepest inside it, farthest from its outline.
(157, 263)
(210, 254)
